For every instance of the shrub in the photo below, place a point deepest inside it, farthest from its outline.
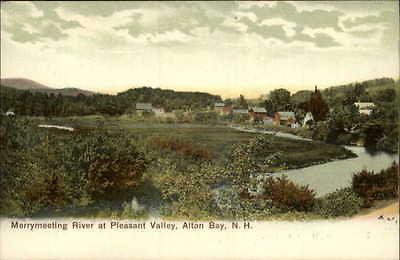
(288, 196)
(186, 193)
(50, 170)
(342, 202)
(232, 205)
(371, 186)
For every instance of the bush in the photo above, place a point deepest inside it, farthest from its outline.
(186, 193)
(342, 202)
(232, 205)
(48, 170)
(288, 196)
(371, 186)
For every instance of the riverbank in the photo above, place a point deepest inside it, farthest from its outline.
(388, 210)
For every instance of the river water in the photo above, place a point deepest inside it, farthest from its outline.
(327, 177)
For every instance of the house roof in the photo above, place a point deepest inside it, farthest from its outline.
(258, 110)
(285, 114)
(219, 104)
(144, 106)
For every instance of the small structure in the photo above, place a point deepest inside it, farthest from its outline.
(257, 114)
(285, 118)
(158, 111)
(268, 121)
(308, 119)
(219, 107)
(240, 111)
(364, 108)
(143, 107)
(294, 125)
(227, 110)
(10, 114)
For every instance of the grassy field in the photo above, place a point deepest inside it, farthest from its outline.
(216, 138)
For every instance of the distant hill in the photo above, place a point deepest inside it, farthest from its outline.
(365, 91)
(21, 83)
(27, 84)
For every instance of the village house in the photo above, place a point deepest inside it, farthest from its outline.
(219, 107)
(9, 114)
(268, 121)
(158, 111)
(308, 119)
(364, 108)
(285, 118)
(257, 114)
(240, 111)
(143, 107)
(227, 110)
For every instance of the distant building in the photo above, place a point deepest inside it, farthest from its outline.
(285, 118)
(158, 111)
(365, 108)
(219, 107)
(143, 107)
(227, 110)
(10, 114)
(308, 119)
(240, 111)
(257, 114)
(268, 121)
(295, 125)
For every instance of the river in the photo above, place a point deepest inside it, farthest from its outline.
(327, 177)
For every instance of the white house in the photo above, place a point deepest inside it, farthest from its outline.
(143, 107)
(158, 111)
(219, 107)
(308, 118)
(364, 108)
(10, 114)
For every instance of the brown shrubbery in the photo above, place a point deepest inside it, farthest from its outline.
(181, 147)
(288, 196)
(383, 185)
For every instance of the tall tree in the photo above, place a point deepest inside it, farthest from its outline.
(317, 106)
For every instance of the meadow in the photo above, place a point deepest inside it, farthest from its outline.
(218, 138)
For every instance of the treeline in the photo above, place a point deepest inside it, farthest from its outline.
(374, 90)
(24, 102)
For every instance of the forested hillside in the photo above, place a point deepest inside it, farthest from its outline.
(25, 102)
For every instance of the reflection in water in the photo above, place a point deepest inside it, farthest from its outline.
(328, 177)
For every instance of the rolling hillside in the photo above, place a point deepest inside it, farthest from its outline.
(27, 84)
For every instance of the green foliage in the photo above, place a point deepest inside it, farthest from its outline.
(24, 102)
(342, 202)
(280, 99)
(379, 186)
(317, 106)
(205, 117)
(51, 170)
(187, 192)
(232, 205)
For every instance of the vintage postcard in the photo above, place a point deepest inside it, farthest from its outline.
(199, 130)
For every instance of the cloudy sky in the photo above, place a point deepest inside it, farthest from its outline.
(225, 48)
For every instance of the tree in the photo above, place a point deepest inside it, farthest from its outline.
(317, 106)
(242, 103)
(280, 99)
